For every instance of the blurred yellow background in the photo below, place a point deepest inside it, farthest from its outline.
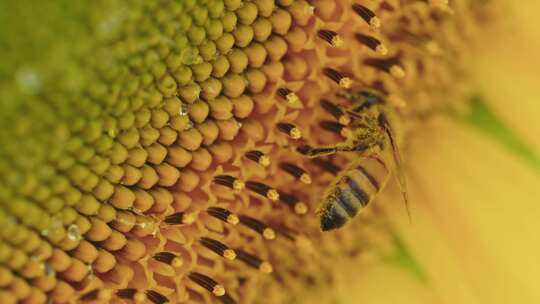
(475, 202)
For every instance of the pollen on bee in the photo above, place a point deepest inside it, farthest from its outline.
(335, 127)
(264, 190)
(293, 202)
(258, 226)
(229, 181)
(291, 130)
(223, 215)
(155, 297)
(180, 218)
(337, 77)
(335, 111)
(288, 95)
(207, 283)
(331, 37)
(132, 294)
(296, 172)
(372, 43)
(169, 258)
(368, 15)
(255, 262)
(258, 157)
(218, 248)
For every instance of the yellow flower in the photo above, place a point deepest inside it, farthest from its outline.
(148, 148)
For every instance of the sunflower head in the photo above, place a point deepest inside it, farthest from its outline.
(148, 150)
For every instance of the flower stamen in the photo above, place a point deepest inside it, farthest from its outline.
(335, 127)
(180, 218)
(291, 130)
(368, 15)
(293, 202)
(337, 77)
(103, 295)
(254, 262)
(264, 190)
(258, 226)
(224, 215)
(169, 259)
(372, 43)
(390, 65)
(219, 248)
(297, 172)
(331, 37)
(258, 157)
(288, 95)
(335, 111)
(207, 283)
(326, 165)
(155, 297)
(229, 181)
(132, 294)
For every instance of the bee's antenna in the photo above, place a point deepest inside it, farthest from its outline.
(402, 181)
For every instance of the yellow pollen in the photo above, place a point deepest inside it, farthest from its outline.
(105, 294)
(233, 219)
(397, 71)
(139, 297)
(300, 208)
(346, 132)
(305, 178)
(269, 234)
(264, 161)
(337, 41)
(292, 98)
(238, 185)
(344, 120)
(218, 290)
(189, 218)
(375, 23)
(396, 101)
(273, 195)
(295, 133)
(177, 262)
(229, 254)
(266, 268)
(433, 47)
(345, 82)
(381, 49)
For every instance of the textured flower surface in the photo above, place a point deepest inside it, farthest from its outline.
(148, 152)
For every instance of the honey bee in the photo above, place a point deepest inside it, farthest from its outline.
(373, 139)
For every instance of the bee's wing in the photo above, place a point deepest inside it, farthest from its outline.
(400, 176)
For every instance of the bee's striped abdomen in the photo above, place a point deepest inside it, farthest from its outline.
(355, 189)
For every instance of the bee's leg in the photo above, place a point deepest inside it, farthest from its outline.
(313, 152)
